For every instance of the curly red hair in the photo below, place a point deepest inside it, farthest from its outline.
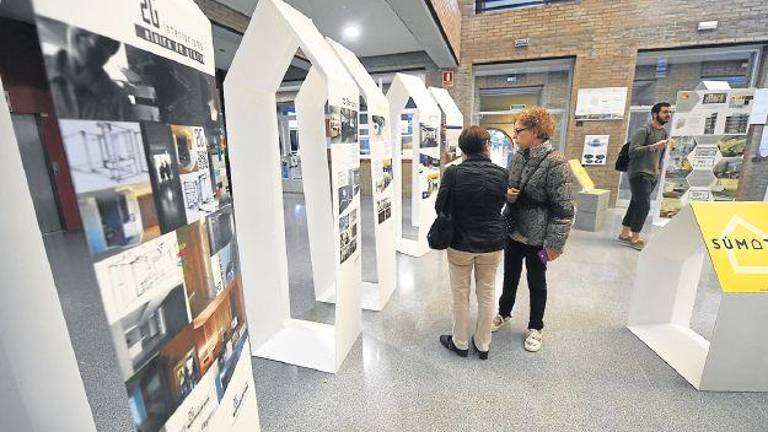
(538, 120)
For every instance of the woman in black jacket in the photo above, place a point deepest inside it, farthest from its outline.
(475, 192)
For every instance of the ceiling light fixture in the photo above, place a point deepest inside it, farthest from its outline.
(351, 32)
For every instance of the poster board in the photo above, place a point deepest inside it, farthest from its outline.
(607, 103)
(595, 150)
(426, 150)
(668, 275)
(134, 90)
(376, 293)
(327, 107)
(709, 128)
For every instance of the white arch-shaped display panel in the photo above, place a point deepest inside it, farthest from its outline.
(375, 295)
(452, 124)
(425, 158)
(732, 235)
(275, 33)
(40, 385)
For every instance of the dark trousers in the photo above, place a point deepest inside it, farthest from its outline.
(514, 255)
(641, 187)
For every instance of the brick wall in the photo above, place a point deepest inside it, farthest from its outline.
(604, 36)
(449, 14)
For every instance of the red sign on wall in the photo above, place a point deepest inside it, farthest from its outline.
(448, 78)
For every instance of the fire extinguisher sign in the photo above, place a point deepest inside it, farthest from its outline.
(448, 78)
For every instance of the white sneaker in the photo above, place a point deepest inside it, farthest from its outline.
(533, 340)
(499, 322)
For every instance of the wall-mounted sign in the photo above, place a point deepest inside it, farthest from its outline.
(448, 78)
(601, 103)
(522, 43)
(595, 149)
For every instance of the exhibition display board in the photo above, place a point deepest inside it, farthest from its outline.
(425, 157)
(327, 109)
(376, 294)
(451, 124)
(704, 164)
(40, 385)
(134, 91)
(734, 236)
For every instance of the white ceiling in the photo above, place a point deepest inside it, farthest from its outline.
(382, 31)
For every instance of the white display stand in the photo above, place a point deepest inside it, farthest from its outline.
(40, 385)
(425, 180)
(376, 294)
(668, 274)
(453, 120)
(275, 33)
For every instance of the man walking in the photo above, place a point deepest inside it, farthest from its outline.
(646, 155)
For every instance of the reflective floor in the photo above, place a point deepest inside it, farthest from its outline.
(591, 375)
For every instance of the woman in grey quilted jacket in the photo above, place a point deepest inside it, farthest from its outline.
(539, 215)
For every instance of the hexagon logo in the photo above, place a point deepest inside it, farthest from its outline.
(746, 240)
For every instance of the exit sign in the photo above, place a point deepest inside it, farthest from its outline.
(448, 78)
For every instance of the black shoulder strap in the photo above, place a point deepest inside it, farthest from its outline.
(535, 169)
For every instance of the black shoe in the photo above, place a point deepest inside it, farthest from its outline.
(482, 354)
(447, 341)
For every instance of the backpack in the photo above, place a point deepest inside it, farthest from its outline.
(622, 162)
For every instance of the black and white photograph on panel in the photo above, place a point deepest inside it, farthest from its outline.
(348, 235)
(349, 126)
(181, 95)
(377, 125)
(164, 173)
(346, 189)
(223, 247)
(428, 136)
(333, 123)
(89, 75)
(104, 154)
(384, 209)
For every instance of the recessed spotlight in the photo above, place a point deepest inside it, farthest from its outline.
(351, 32)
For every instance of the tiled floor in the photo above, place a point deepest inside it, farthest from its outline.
(592, 374)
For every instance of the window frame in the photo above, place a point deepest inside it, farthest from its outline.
(482, 6)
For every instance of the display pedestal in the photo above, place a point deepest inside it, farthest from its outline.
(375, 294)
(40, 385)
(425, 155)
(275, 33)
(591, 209)
(668, 275)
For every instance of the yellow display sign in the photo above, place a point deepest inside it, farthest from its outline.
(581, 175)
(736, 236)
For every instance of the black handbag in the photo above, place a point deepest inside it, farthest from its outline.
(440, 234)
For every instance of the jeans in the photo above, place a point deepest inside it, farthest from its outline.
(514, 255)
(641, 187)
(460, 265)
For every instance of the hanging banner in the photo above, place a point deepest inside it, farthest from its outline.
(704, 162)
(134, 91)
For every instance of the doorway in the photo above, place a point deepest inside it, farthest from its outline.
(39, 171)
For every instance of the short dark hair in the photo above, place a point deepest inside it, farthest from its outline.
(657, 108)
(472, 139)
